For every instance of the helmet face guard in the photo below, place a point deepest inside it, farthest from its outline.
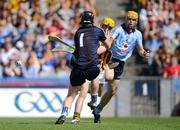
(87, 17)
(107, 23)
(104, 27)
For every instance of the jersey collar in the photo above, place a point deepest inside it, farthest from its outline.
(124, 27)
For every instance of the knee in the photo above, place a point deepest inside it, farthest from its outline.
(72, 95)
(109, 77)
(83, 92)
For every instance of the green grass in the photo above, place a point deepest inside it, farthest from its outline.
(130, 123)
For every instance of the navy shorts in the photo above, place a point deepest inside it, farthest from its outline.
(119, 69)
(79, 76)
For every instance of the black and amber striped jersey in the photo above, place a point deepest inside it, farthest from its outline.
(104, 58)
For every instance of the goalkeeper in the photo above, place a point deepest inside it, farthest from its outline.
(84, 60)
(107, 24)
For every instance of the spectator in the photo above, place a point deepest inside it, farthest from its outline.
(171, 28)
(175, 42)
(172, 69)
(31, 67)
(148, 10)
(48, 61)
(22, 27)
(177, 53)
(160, 58)
(11, 70)
(63, 70)
(7, 51)
(22, 50)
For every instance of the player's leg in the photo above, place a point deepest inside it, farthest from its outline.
(101, 89)
(72, 92)
(92, 75)
(104, 75)
(101, 82)
(79, 103)
(112, 88)
(76, 79)
(94, 93)
(109, 73)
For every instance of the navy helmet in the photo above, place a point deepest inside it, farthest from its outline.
(87, 17)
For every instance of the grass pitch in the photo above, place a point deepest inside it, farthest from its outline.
(130, 123)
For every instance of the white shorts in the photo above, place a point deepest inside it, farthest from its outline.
(102, 77)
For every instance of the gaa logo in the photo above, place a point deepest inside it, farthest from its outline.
(26, 102)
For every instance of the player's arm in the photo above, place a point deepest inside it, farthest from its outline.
(142, 52)
(107, 43)
(101, 49)
(104, 38)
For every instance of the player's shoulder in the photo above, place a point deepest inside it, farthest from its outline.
(118, 27)
(98, 28)
(138, 32)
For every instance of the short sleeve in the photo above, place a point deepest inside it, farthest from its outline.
(102, 36)
(115, 32)
(139, 38)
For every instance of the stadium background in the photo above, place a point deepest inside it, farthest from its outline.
(38, 88)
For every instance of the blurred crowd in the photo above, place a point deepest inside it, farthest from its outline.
(160, 24)
(26, 25)
(24, 29)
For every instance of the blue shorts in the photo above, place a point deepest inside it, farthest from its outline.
(79, 76)
(119, 69)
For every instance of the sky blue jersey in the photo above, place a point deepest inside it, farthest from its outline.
(124, 42)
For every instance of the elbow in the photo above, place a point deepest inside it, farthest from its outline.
(101, 50)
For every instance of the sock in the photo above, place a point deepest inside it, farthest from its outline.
(94, 97)
(65, 111)
(98, 109)
(76, 116)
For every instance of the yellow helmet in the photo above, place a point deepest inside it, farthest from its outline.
(108, 21)
(132, 14)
